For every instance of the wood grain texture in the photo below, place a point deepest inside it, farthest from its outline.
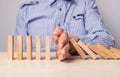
(85, 48)
(78, 49)
(10, 47)
(106, 51)
(29, 47)
(48, 57)
(115, 50)
(38, 48)
(19, 47)
(98, 51)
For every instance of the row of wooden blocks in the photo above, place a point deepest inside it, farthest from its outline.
(94, 51)
(28, 47)
(81, 48)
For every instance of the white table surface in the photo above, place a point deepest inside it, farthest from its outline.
(72, 67)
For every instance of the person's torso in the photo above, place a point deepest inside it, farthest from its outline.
(44, 16)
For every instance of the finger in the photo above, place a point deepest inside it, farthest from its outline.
(62, 53)
(62, 57)
(56, 39)
(58, 31)
(65, 49)
(63, 39)
(58, 53)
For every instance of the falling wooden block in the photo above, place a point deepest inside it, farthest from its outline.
(115, 50)
(19, 47)
(106, 51)
(29, 47)
(38, 48)
(98, 51)
(78, 49)
(47, 47)
(85, 48)
(10, 47)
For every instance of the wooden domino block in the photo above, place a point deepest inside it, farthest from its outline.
(115, 50)
(98, 51)
(78, 49)
(106, 51)
(10, 47)
(29, 47)
(85, 48)
(38, 48)
(19, 47)
(47, 47)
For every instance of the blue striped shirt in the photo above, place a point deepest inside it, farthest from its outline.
(78, 17)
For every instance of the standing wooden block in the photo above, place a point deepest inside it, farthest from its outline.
(115, 50)
(19, 47)
(29, 47)
(106, 51)
(98, 51)
(47, 47)
(38, 48)
(78, 49)
(85, 48)
(10, 47)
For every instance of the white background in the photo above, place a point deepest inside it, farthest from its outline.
(109, 9)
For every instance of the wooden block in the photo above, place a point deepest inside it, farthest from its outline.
(85, 48)
(29, 47)
(115, 50)
(98, 51)
(38, 48)
(78, 49)
(10, 47)
(19, 47)
(47, 47)
(106, 51)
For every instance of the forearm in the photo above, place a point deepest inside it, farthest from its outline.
(104, 38)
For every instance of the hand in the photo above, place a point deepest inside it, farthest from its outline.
(62, 43)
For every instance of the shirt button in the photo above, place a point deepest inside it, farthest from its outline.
(74, 16)
(60, 9)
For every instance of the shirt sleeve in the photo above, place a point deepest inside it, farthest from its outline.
(21, 27)
(94, 26)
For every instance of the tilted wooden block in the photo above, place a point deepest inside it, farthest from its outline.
(48, 48)
(10, 47)
(38, 48)
(98, 51)
(78, 49)
(19, 47)
(106, 51)
(29, 47)
(85, 48)
(115, 50)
